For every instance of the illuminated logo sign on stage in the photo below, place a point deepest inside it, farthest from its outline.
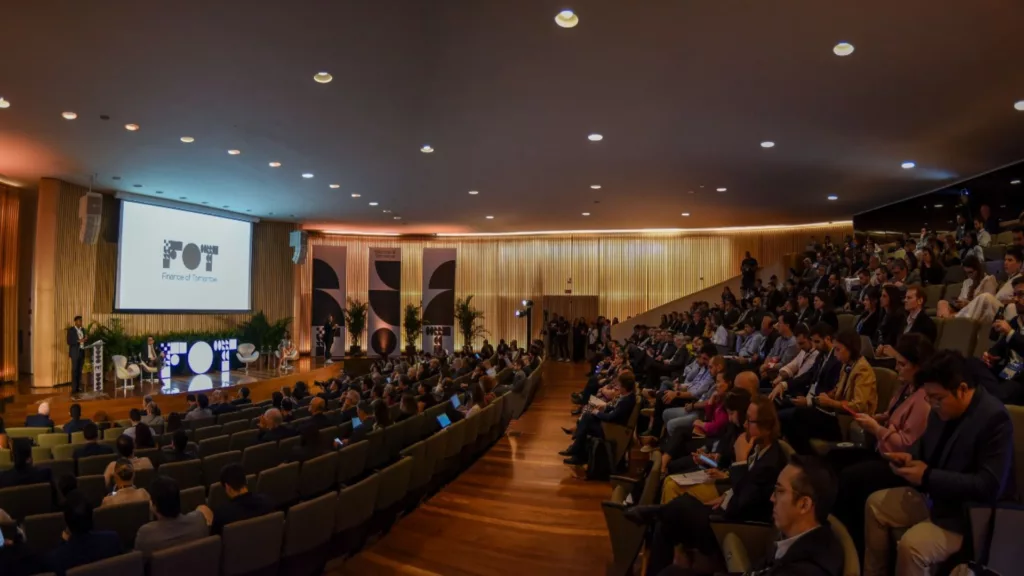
(200, 356)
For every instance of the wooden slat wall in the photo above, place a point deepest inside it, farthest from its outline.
(630, 273)
(9, 207)
(86, 276)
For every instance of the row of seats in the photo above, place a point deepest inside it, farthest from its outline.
(965, 335)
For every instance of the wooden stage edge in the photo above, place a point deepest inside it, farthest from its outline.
(14, 412)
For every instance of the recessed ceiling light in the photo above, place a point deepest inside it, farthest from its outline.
(4, 103)
(586, 213)
(687, 214)
(386, 211)
(595, 137)
(275, 164)
(938, 205)
(234, 152)
(833, 197)
(322, 77)
(374, 203)
(335, 186)
(567, 19)
(843, 49)
(489, 217)
(307, 175)
(205, 202)
(69, 115)
(188, 139)
(595, 186)
(767, 144)
(397, 217)
(1018, 105)
(356, 195)
(426, 149)
(721, 189)
(689, 191)
(182, 197)
(137, 185)
(1014, 182)
(907, 165)
(474, 192)
(131, 127)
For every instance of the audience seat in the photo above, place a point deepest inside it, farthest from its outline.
(22, 501)
(352, 462)
(318, 475)
(933, 293)
(207, 432)
(237, 425)
(212, 465)
(214, 445)
(51, 440)
(626, 537)
(202, 423)
(144, 477)
(280, 484)
(125, 519)
(187, 474)
(287, 446)
(421, 472)
(27, 432)
(41, 454)
(352, 514)
(93, 487)
(252, 547)
(954, 274)
(244, 439)
(59, 468)
(327, 436)
(453, 435)
(155, 455)
(197, 558)
(44, 532)
(846, 321)
(93, 465)
(307, 536)
(192, 498)
(394, 482)
(378, 456)
(960, 334)
(130, 564)
(736, 544)
(78, 437)
(620, 436)
(260, 457)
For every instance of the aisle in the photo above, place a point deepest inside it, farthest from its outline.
(514, 511)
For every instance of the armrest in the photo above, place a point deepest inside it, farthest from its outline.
(623, 481)
(755, 536)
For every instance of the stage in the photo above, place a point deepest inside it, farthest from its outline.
(22, 399)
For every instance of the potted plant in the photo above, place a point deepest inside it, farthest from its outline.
(466, 317)
(411, 324)
(355, 323)
(260, 332)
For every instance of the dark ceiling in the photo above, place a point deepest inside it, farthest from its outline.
(683, 91)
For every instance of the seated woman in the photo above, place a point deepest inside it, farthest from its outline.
(686, 520)
(932, 271)
(408, 407)
(894, 430)
(680, 453)
(477, 400)
(823, 311)
(983, 306)
(286, 351)
(856, 391)
(893, 319)
(867, 322)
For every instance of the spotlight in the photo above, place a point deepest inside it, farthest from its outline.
(520, 313)
(528, 303)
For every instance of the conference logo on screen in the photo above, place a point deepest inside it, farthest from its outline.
(188, 262)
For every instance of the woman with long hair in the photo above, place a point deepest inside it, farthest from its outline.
(381, 415)
(893, 319)
(144, 436)
(867, 322)
(932, 271)
(477, 401)
(686, 520)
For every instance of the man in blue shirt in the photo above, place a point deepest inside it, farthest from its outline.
(697, 391)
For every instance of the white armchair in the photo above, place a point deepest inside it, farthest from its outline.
(285, 358)
(125, 372)
(150, 371)
(247, 354)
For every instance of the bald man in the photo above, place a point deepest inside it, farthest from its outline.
(274, 428)
(747, 381)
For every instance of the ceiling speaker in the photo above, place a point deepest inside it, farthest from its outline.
(90, 216)
(299, 241)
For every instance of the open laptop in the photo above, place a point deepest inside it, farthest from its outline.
(455, 401)
(444, 421)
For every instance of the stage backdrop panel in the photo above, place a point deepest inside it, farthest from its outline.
(329, 296)
(385, 311)
(439, 299)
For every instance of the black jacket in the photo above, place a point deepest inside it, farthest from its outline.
(38, 421)
(825, 371)
(975, 464)
(923, 325)
(92, 449)
(620, 412)
(867, 325)
(890, 328)
(365, 427)
(74, 347)
(76, 425)
(277, 434)
(30, 475)
(816, 553)
(752, 487)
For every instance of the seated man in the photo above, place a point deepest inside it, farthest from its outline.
(971, 303)
(92, 447)
(273, 427)
(1006, 356)
(241, 504)
(695, 381)
(171, 527)
(965, 455)
(42, 418)
(669, 365)
(126, 449)
(785, 348)
(124, 486)
(617, 411)
(220, 403)
(694, 398)
(135, 415)
(821, 377)
(752, 341)
(243, 397)
(23, 473)
(799, 365)
(77, 423)
(82, 544)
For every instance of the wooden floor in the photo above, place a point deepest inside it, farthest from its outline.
(517, 510)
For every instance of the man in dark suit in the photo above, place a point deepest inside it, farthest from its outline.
(364, 411)
(965, 455)
(77, 423)
(76, 339)
(329, 326)
(41, 419)
(617, 411)
(274, 428)
(243, 397)
(917, 320)
(1007, 335)
(317, 418)
(822, 377)
(82, 544)
(92, 447)
(241, 504)
(24, 473)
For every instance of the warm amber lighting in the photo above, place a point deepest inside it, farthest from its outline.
(335, 186)
(307, 175)
(188, 139)
(567, 19)
(274, 164)
(843, 49)
(234, 152)
(69, 115)
(4, 103)
(427, 149)
(356, 195)
(782, 227)
(131, 127)
(322, 77)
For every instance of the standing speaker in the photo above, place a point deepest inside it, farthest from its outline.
(90, 215)
(299, 241)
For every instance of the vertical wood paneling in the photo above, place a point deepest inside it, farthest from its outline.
(9, 209)
(630, 273)
(85, 279)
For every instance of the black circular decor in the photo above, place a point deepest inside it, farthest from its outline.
(384, 342)
(190, 256)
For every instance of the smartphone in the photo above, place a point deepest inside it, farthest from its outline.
(356, 422)
(338, 442)
(888, 456)
(707, 461)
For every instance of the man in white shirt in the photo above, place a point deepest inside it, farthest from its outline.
(984, 305)
(804, 359)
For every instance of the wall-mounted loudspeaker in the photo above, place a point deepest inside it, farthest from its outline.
(299, 241)
(90, 215)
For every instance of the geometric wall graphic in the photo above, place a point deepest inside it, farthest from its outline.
(439, 299)
(385, 294)
(329, 264)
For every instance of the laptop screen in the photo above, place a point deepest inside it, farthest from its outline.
(455, 401)
(444, 421)
(356, 422)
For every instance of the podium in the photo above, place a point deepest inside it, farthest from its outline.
(97, 364)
